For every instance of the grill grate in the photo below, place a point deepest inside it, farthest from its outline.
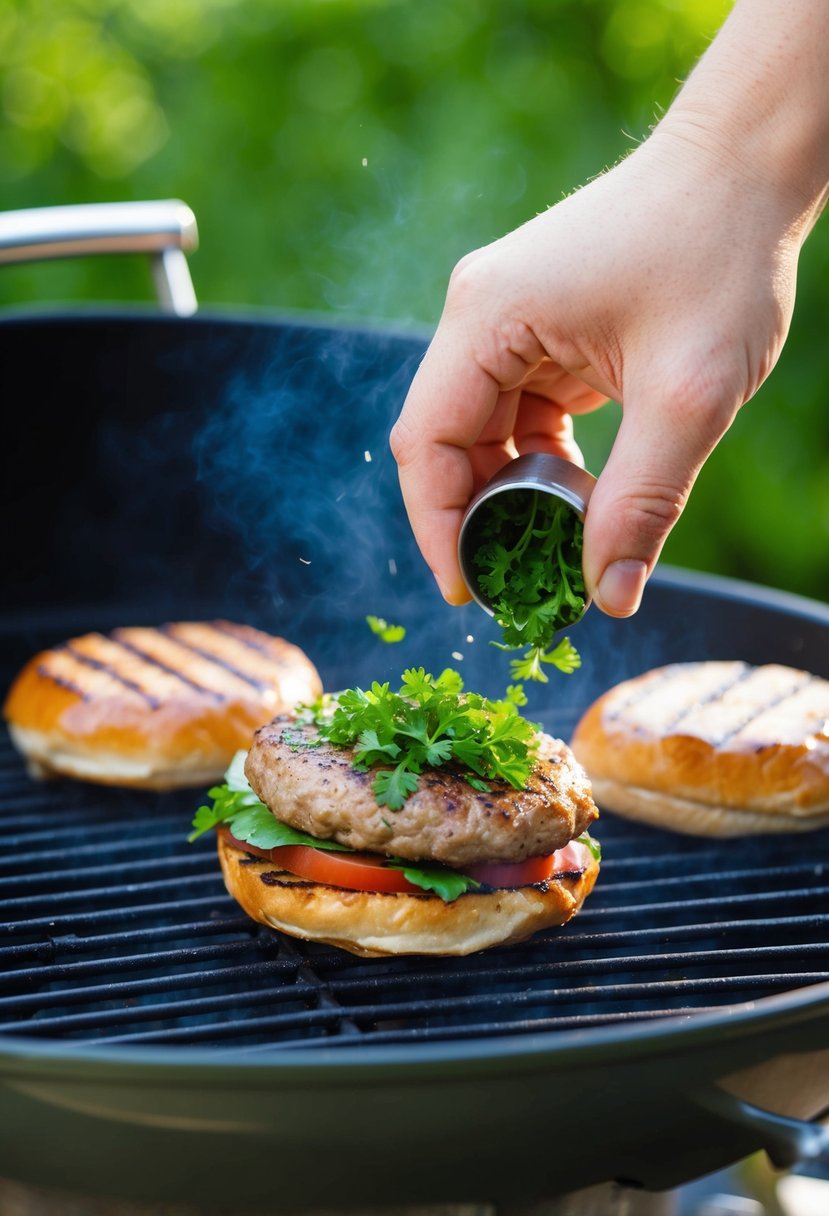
(113, 930)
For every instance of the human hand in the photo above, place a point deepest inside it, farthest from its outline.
(667, 284)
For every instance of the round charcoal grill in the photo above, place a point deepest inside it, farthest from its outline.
(165, 1047)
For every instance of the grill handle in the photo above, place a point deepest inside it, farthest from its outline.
(788, 1142)
(165, 230)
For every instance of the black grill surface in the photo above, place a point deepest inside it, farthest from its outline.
(114, 930)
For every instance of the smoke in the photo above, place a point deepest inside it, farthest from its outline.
(295, 456)
(297, 476)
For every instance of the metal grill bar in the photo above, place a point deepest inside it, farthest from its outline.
(431, 1034)
(14, 861)
(61, 899)
(71, 944)
(791, 873)
(715, 902)
(71, 975)
(69, 878)
(110, 915)
(136, 963)
(328, 1018)
(769, 927)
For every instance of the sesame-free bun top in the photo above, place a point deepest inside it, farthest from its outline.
(712, 748)
(158, 708)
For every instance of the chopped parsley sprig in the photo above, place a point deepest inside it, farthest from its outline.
(428, 722)
(384, 631)
(529, 548)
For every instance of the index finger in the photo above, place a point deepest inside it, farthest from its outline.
(447, 407)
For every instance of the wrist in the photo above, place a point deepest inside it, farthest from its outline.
(757, 108)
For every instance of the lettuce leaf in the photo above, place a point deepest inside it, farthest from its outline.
(236, 805)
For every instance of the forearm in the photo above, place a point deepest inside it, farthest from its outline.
(759, 98)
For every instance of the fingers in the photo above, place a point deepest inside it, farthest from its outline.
(458, 427)
(449, 403)
(544, 426)
(640, 495)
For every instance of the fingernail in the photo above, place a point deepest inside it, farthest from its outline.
(454, 593)
(620, 587)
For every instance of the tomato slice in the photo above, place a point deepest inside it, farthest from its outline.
(370, 872)
(513, 873)
(573, 856)
(354, 871)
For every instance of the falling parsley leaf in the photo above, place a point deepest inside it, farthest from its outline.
(528, 552)
(564, 656)
(384, 631)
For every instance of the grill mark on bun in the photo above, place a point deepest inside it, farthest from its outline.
(69, 669)
(112, 670)
(284, 878)
(763, 707)
(744, 701)
(714, 701)
(170, 669)
(44, 669)
(636, 693)
(172, 655)
(226, 651)
(715, 694)
(667, 696)
(132, 668)
(273, 878)
(274, 648)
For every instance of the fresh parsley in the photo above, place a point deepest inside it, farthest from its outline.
(592, 844)
(429, 722)
(528, 551)
(384, 631)
(446, 883)
(238, 807)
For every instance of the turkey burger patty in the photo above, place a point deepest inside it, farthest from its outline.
(312, 785)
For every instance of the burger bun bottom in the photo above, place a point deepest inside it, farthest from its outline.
(376, 924)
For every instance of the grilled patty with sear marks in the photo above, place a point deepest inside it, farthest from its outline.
(312, 785)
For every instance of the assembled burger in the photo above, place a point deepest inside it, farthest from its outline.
(426, 820)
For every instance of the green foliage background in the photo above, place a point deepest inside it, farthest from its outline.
(340, 156)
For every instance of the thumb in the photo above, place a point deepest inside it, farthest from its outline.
(638, 498)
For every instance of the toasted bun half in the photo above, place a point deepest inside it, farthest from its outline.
(712, 749)
(155, 708)
(375, 924)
